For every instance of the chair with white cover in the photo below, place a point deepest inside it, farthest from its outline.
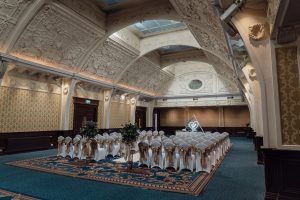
(161, 134)
(61, 147)
(157, 159)
(78, 136)
(185, 159)
(101, 150)
(149, 136)
(200, 157)
(155, 135)
(69, 147)
(171, 158)
(76, 148)
(116, 145)
(144, 154)
(109, 145)
(84, 148)
(208, 153)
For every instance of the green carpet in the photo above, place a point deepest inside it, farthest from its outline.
(238, 177)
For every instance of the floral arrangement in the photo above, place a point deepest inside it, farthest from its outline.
(89, 129)
(129, 133)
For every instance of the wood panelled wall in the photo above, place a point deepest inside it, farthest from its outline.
(229, 116)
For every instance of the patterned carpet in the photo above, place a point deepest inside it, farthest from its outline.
(108, 171)
(6, 195)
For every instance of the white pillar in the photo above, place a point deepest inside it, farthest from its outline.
(4, 68)
(67, 91)
(107, 95)
(149, 116)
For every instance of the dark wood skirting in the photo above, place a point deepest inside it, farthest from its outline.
(258, 142)
(282, 174)
(28, 141)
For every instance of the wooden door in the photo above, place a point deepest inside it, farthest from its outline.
(140, 117)
(84, 110)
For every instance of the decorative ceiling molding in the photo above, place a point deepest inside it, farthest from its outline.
(145, 74)
(12, 24)
(204, 23)
(257, 32)
(54, 36)
(108, 60)
(88, 10)
(191, 55)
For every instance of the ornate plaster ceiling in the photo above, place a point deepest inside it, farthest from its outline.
(72, 36)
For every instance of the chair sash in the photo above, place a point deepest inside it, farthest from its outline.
(155, 155)
(93, 146)
(59, 147)
(86, 148)
(170, 154)
(76, 146)
(143, 149)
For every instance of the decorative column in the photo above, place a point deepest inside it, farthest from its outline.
(67, 91)
(4, 68)
(149, 116)
(107, 95)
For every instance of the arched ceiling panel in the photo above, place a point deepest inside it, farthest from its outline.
(53, 36)
(161, 9)
(10, 12)
(203, 21)
(145, 74)
(109, 60)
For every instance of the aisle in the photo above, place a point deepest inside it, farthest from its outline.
(238, 178)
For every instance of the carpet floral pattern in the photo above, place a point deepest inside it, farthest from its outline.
(108, 171)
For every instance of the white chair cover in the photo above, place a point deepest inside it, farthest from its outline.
(69, 146)
(61, 147)
(157, 159)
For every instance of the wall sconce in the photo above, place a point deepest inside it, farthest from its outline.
(65, 90)
(106, 98)
(132, 101)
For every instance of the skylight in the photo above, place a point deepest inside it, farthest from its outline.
(151, 27)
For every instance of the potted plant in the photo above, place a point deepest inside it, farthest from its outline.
(89, 129)
(129, 137)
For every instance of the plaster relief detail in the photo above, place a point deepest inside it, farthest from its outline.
(145, 75)
(204, 23)
(257, 32)
(54, 38)
(87, 10)
(252, 74)
(109, 60)
(10, 12)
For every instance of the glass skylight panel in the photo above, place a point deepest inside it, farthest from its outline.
(157, 26)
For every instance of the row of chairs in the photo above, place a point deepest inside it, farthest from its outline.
(195, 151)
(96, 148)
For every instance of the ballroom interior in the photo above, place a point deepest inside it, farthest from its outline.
(229, 67)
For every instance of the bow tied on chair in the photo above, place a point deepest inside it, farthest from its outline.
(156, 148)
(76, 146)
(143, 148)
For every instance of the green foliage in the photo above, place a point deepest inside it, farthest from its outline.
(129, 133)
(89, 129)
